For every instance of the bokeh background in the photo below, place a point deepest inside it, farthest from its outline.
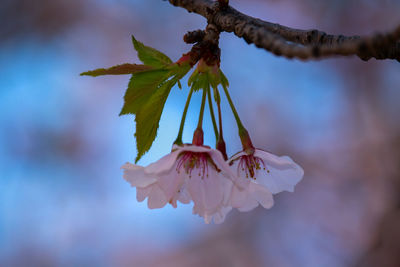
(63, 201)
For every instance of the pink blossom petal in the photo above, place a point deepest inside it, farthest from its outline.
(163, 165)
(262, 195)
(242, 200)
(181, 195)
(210, 195)
(283, 173)
(157, 198)
(171, 184)
(142, 193)
(219, 217)
(277, 162)
(184, 196)
(206, 193)
(249, 199)
(226, 170)
(136, 176)
(194, 148)
(227, 187)
(218, 211)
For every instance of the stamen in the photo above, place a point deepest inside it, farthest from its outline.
(188, 161)
(249, 164)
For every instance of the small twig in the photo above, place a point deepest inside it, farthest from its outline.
(194, 37)
(206, 45)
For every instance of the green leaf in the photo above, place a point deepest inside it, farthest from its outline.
(214, 77)
(206, 78)
(141, 87)
(199, 80)
(148, 116)
(193, 77)
(202, 82)
(150, 56)
(118, 70)
(148, 90)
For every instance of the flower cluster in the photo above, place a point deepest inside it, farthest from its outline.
(201, 174)
(215, 184)
(195, 172)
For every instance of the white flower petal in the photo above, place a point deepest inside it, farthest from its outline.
(194, 148)
(249, 205)
(142, 193)
(242, 200)
(210, 195)
(171, 184)
(274, 161)
(157, 198)
(262, 195)
(179, 194)
(184, 196)
(249, 199)
(206, 194)
(227, 188)
(226, 170)
(213, 192)
(163, 165)
(219, 217)
(136, 176)
(283, 173)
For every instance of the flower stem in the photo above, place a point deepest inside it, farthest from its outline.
(203, 103)
(221, 146)
(198, 135)
(238, 121)
(243, 133)
(220, 120)
(212, 113)
(178, 140)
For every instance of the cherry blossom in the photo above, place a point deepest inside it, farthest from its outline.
(189, 173)
(262, 174)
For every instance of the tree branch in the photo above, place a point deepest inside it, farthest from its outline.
(294, 43)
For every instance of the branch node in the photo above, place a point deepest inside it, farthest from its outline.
(205, 45)
(194, 36)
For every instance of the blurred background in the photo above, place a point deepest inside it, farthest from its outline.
(63, 201)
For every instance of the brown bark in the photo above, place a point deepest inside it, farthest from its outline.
(294, 43)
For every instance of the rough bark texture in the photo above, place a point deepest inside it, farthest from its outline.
(294, 43)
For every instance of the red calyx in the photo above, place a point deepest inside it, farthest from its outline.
(246, 142)
(198, 137)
